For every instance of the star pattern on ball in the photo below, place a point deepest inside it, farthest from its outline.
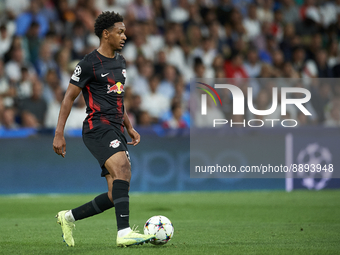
(147, 224)
(160, 225)
(168, 237)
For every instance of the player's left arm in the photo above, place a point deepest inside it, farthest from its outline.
(129, 128)
(131, 131)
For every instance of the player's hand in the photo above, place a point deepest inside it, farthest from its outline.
(59, 145)
(134, 136)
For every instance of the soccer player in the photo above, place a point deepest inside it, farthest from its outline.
(101, 77)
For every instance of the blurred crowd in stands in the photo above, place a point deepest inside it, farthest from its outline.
(169, 42)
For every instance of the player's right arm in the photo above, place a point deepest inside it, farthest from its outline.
(59, 143)
(80, 78)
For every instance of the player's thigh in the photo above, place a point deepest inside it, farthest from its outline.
(118, 166)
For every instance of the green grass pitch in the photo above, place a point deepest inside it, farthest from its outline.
(276, 222)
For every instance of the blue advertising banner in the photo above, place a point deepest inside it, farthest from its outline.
(159, 164)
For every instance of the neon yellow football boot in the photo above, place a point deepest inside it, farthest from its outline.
(134, 238)
(66, 227)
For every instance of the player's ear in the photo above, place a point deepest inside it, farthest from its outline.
(105, 34)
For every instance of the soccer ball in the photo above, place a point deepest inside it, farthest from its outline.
(160, 226)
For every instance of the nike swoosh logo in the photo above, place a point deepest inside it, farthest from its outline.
(124, 215)
(103, 75)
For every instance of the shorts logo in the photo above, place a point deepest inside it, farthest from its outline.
(76, 73)
(124, 72)
(114, 143)
(117, 88)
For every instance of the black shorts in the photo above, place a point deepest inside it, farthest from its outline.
(103, 142)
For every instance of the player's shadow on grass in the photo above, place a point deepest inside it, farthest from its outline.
(151, 246)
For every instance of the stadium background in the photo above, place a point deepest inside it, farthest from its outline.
(168, 43)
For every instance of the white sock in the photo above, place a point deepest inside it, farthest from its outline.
(69, 216)
(124, 232)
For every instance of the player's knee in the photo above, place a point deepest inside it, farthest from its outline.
(125, 171)
(109, 194)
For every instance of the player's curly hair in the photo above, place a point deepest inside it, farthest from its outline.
(106, 20)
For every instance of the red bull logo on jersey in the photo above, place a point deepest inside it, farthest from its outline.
(116, 88)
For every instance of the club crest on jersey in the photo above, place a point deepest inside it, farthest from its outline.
(116, 88)
(124, 73)
(114, 143)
